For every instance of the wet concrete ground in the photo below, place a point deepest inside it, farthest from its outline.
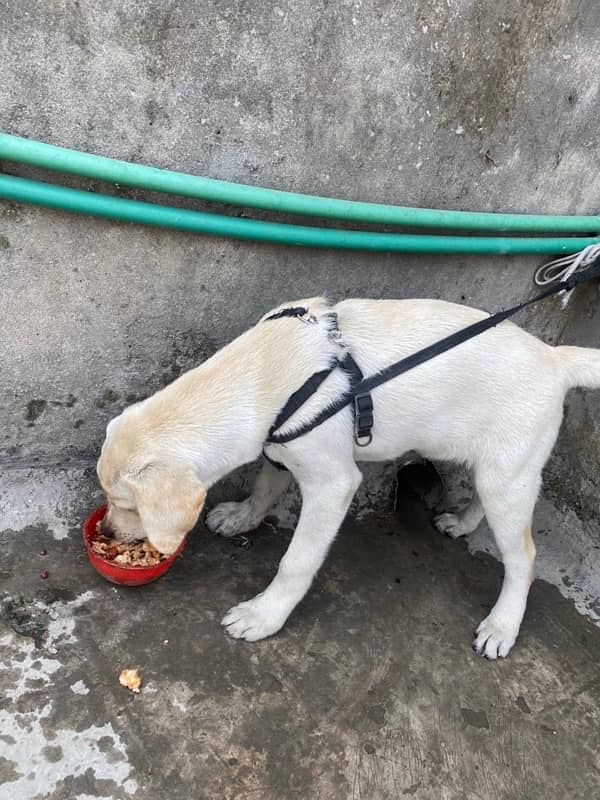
(370, 691)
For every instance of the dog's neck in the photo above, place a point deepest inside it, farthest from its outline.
(225, 407)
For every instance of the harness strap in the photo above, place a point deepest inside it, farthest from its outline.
(360, 388)
(298, 399)
(363, 418)
(363, 403)
(294, 311)
(277, 464)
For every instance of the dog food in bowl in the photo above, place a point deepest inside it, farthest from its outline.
(125, 563)
(138, 553)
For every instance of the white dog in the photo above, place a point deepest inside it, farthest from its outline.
(494, 403)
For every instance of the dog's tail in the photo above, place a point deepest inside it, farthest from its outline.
(581, 366)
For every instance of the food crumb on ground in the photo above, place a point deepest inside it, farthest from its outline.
(131, 679)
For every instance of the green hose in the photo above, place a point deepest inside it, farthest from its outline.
(60, 159)
(50, 196)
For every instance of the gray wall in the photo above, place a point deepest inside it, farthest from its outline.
(464, 104)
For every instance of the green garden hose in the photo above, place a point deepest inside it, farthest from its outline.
(60, 159)
(44, 194)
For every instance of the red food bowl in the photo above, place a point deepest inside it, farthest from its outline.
(124, 576)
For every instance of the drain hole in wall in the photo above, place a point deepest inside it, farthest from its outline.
(421, 480)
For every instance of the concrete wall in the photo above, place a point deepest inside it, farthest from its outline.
(459, 104)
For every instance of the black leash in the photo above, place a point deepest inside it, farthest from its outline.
(359, 393)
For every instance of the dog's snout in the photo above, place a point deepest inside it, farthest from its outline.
(105, 528)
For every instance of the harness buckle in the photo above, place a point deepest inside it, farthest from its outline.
(363, 419)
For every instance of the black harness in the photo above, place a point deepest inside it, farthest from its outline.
(359, 391)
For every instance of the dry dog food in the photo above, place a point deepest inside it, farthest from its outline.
(126, 554)
(131, 679)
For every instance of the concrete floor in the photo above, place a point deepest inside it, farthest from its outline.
(371, 691)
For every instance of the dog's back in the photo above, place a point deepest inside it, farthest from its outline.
(502, 386)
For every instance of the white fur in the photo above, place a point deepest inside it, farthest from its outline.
(494, 403)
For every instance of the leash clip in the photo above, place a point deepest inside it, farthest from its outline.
(363, 419)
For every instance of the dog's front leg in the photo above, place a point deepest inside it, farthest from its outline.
(326, 499)
(229, 519)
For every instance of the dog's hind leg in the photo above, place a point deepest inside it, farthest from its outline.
(509, 507)
(229, 519)
(463, 522)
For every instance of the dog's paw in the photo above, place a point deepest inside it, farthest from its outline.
(450, 525)
(493, 640)
(252, 620)
(229, 519)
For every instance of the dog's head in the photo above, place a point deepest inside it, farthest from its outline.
(149, 494)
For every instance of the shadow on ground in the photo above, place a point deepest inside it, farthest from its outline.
(371, 691)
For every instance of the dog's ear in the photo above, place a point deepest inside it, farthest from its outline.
(169, 499)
